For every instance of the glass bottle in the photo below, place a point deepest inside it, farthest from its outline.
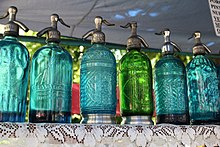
(170, 85)
(51, 79)
(135, 81)
(14, 63)
(98, 79)
(204, 100)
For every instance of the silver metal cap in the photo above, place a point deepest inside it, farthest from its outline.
(13, 25)
(137, 120)
(134, 40)
(98, 119)
(199, 48)
(97, 35)
(52, 33)
(168, 47)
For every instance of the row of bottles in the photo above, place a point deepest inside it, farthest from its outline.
(183, 95)
(50, 75)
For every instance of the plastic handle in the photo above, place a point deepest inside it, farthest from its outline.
(143, 41)
(107, 23)
(63, 23)
(206, 48)
(178, 49)
(21, 25)
(133, 26)
(42, 32)
(55, 18)
(89, 33)
(11, 10)
(4, 16)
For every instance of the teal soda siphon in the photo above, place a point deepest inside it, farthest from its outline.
(170, 85)
(14, 63)
(135, 81)
(204, 100)
(98, 79)
(51, 79)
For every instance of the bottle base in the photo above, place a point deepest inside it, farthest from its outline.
(12, 117)
(139, 119)
(37, 116)
(98, 119)
(205, 122)
(176, 119)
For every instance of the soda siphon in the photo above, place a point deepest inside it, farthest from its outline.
(51, 79)
(98, 79)
(14, 63)
(204, 100)
(135, 81)
(170, 85)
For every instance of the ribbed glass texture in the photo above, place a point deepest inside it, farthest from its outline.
(50, 83)
(171, 91)
(14, 63)
(204, 100)
(98, 81)
(135, 83)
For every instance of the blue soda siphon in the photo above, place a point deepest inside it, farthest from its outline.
(14, 63)
(135, 81)
(204, 100)
(98, 79)
(51, 79)
(170, 85)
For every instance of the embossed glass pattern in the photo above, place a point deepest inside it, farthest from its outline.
(14, 62)
(50, 82)
(204, 101)
(98, 81)
(135, 82)
(171, 91)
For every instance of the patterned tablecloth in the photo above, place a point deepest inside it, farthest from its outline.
(34, 135)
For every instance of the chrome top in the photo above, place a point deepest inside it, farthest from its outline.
(168, 47)
(98, 119)
(199, 48)
(134, 40)
(97, 35)
(52, 32)
(137, 120)
(12, 27)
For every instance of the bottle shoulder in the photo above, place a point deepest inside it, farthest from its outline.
(201, 62)
(98, 52)
(52, 50)
(170, 61)
(134, 60)
(134, 56)
(10, 44)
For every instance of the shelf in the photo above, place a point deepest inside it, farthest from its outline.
(44, 134)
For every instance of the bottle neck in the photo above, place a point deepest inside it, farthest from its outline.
(12, 38)
(167, 53)
(134, 49)
(199, 55)
(53, 43)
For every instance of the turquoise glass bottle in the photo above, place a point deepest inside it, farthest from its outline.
(51, 79)
(204, 100)
(135, 81)
(98, 79)
(170, 85)
(14, 63)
